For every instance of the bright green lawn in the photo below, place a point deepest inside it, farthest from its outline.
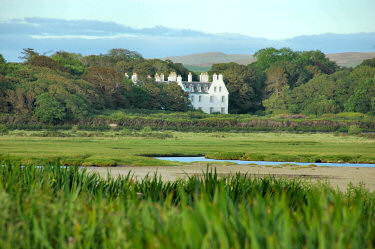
(115, 149)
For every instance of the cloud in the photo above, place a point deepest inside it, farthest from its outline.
(50, 26)
(94, 37)
(90, 29)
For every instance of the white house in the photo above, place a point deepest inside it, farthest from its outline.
(210, 97)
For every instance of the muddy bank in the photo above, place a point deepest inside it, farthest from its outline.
(337, 176)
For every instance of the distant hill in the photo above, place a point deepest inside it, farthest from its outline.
(48, 35)
(207, 59)
(350, 59)
(204, 61)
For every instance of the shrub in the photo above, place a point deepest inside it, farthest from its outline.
(225, 155)
(146, 131)
(354, 130)
(3, 129)
(125, 132)
(48, 109)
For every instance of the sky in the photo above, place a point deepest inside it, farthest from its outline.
(272, 19)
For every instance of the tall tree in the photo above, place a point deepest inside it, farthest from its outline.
(243, 86)
(276, 79)
(361, 100)
(108, 82)
(48, 109)
(72, 62)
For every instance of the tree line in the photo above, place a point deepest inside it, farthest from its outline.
(66, 87)
(286, 81)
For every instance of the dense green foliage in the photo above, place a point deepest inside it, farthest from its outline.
(67, 87)
(281, 81)
(309, 83)
(55, 207)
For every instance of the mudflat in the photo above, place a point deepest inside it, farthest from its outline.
(337, 176)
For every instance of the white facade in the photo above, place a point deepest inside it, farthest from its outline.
(210, 97)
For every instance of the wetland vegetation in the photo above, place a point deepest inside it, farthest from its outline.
(55, 207)
(129, 147)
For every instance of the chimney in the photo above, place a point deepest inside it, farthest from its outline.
(134, 78)
(214, 77)
(220, 77)
(157, 77)
(201, 77)
(179, 79)
(162, 77)
(206, 77)
(172, 77)
(190, 77)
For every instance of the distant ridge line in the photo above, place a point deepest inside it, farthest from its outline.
(206, 60)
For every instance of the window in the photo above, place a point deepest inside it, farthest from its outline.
(200, 98)
(219, 89)
(211, 99)
(215, 89)
(222, 99)
(222, 110)
(211, 110)
(192, 98)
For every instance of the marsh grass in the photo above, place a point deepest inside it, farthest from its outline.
(109, 148)
(59, 207)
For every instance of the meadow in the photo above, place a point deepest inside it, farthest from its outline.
(58, 207)
(131, 147)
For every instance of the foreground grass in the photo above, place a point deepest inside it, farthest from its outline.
(127, 148)
(55, 207)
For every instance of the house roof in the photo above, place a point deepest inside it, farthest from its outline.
(197, 87)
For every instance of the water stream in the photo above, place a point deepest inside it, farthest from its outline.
(203, 159)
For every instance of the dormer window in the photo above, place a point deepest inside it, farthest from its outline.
(215, 89)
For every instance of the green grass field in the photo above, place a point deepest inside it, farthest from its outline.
(56, 207)
(129, 147)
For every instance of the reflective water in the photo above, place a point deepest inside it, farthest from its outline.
(203, 159)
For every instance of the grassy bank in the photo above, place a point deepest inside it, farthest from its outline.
(54, 207)
(127, 147)
(201, 122)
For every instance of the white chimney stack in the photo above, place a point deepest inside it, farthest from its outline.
(190, 77)
(162, 77)
(134, 78)
(214, 77)
(172, 77)
(179, 79)
(157, 77)
(220, 77)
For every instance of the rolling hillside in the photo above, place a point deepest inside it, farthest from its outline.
(203, 61)
(350, 59)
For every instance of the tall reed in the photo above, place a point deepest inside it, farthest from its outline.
(67, 207)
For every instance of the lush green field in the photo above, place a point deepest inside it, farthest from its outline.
(128, 147)
(54, 207)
